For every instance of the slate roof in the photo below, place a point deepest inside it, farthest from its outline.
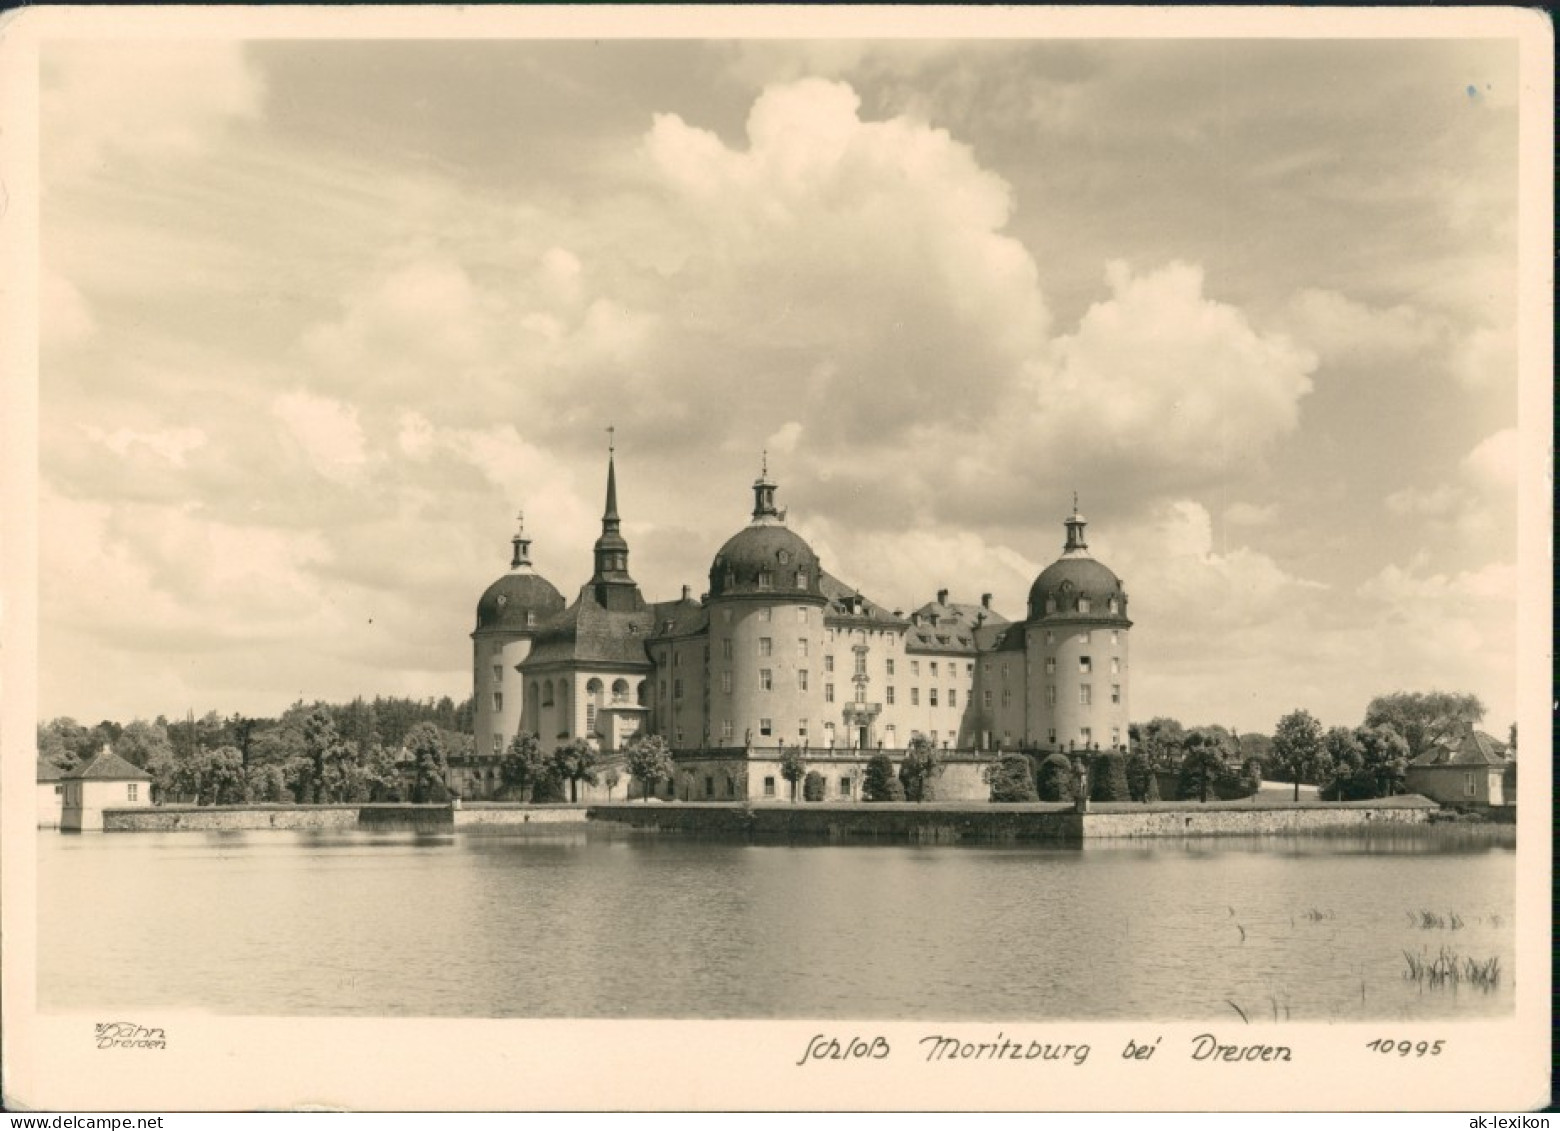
(1470, 748)
(108, 766)
(586, 632)
(678, 618)
(955, 629)
(839, 595)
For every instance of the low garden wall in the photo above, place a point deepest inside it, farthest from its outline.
(218, 818)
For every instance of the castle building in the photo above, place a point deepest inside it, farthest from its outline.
(780, 653)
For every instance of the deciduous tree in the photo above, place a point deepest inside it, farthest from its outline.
(1297, 745)
(576, 762)
(878, 781)
(1423, 718)
(522, 766)
(919, 771)
(426, 748)
(793, 767)
(648, 760)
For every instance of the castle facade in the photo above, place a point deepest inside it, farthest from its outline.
(779, 652)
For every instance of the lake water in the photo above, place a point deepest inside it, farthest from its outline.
(606, 923)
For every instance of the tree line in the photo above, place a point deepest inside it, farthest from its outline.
(387, 749)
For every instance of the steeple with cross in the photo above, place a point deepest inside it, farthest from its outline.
(521, 544)
(764, 493)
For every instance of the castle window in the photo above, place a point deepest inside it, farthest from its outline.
(766, 727)
(1115, 736)
(130, 791)
(1050, 736)
(725, 729)
(915, 697)
(731, 788)
(953, 697)
(498, 673)
(1007, 697)
(764, 613)
(1115, 666)
(620, 690)
(498, 700)
(1115, 637)
(1050, 665)
(915, 667)
(934, 669)
(931, 697)
(1113, 607)
(769, 786)
(1115, 693)
(844, 787)
(661, 689)
(801, 616)
(801, 679)
(861, 693)
(677, 689)
(1050, 695)
(828, 663)
(1085, 664)
(766, 679)
(828, 733)
(890, 736)
(766, 646)
(801, 579)
(766, 580)
(676, 658)
(828, 693)
(530, 617)
(1050, 604)
(498, 744)
(709, 785)
(1005, 671)
(1083, 604)
(1085, 694)
(861, 662)
(985, 699)
(890, 664)
(725, 682)
(725, 649)
(801, 646)
(801, 728)
(890, 694)
(1086, 734)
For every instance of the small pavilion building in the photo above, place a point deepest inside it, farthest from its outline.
(106, 782)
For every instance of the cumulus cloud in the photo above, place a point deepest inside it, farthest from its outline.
(1343, 330)
(327, 430)
(172, 445)
(1161, 373)
(150, 100)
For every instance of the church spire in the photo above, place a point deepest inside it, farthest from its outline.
(522, 546)
(611, 548)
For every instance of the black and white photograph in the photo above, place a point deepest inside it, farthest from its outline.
(706, 558)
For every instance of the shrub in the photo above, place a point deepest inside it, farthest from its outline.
(878, 782)
(1055, 778)
(1140, 777)
(1108, 777)
(812, 786)
(1012, 779)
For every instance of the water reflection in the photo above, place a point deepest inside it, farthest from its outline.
(610, 923)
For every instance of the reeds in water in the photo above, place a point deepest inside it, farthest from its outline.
(1435, 921)
(1448, 968)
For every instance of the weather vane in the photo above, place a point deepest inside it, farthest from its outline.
(611, 439)
(520, 518)
(763, 464)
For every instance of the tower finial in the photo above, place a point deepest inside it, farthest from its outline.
(764, 494)
(763, 466)
(522, 545)
(611, 440)
(1075, 502)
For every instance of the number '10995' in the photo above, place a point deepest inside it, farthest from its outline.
(1407, 1048)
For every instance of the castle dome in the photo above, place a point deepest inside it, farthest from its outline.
(516, 602)
(766, 558)
(1076, 586)
(520, 600)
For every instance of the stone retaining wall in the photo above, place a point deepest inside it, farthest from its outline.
(218, 818)
(948, 824)
(484, 815)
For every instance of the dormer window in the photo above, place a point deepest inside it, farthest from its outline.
(1113, 606)
(1083, 604)
(530, 617)
(766, 580)
(801, 579)
(1050, 605)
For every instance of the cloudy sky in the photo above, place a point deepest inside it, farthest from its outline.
(320, 316)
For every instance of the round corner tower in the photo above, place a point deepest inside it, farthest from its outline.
(1076, 658)
(509, 615)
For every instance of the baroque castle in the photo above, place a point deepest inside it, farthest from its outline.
(779, 653)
